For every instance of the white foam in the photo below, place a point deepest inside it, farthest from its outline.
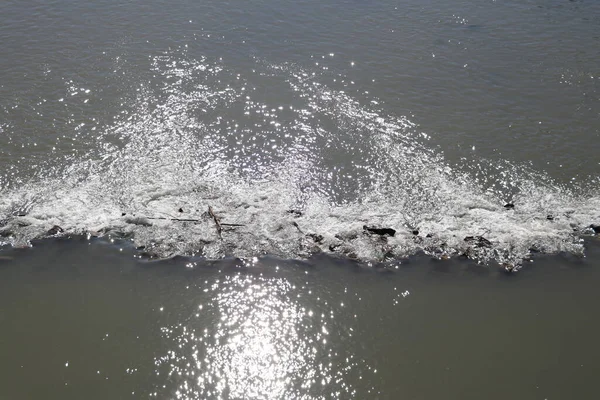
(196, 142)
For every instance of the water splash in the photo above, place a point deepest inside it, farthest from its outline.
(291, 167)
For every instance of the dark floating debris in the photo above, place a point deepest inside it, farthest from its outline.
(295, 213)
(478, 241)
(55, 230)
(176, 219)
(191, 220)
(509, 206)
(380, 231)
(414, 232)
(180, 210)
(217, 221)
(294, 223)
(123, 214)
(317, 238)
(550, 217)
(142, 221)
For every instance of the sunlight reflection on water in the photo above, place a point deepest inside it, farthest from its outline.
(254, 339)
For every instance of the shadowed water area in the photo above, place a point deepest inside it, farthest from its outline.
(335, 190)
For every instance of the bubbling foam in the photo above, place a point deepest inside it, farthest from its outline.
(291, 176)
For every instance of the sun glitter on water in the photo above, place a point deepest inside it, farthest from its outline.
(254, 340)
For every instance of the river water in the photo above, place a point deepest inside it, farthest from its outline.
(192, 198)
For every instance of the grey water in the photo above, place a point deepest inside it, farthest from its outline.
(87, 320)
(185, 186)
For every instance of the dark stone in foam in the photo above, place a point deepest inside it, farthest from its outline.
(315, 237)
(55, 230)
(478, 241)
(380, 231)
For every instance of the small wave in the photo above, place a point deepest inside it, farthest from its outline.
(311, 171)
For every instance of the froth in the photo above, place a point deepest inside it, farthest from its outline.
(289, 177)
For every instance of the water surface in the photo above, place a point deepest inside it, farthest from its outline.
(469, 128)
(87, 320)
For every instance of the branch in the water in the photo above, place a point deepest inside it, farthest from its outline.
(297, 227)
(176, 219)
(217, 222)
(191, 220)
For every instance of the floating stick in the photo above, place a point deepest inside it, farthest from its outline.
(192, 220)
(217, 222)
